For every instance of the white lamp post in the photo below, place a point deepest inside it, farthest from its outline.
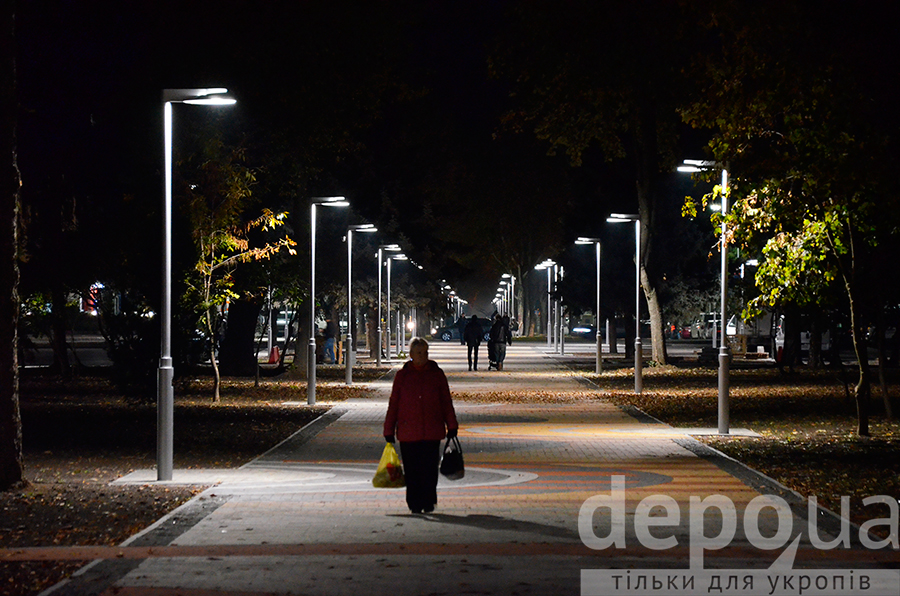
(397, 257)
(311, 355)
(350, 359)
(596, 243)
(548, 264)
(165, 404)
(560, 319)
(512, 294)
(380, 256)
(698, 165)
(638, 356)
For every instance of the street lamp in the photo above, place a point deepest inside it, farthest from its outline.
(638, 356)
(349, 361)
(398, 257)
(560, 320)
(596, 243)
(512, 294)
(380, 256)
(699, 165)
(311, 349)
(548, 264)
(165, 401)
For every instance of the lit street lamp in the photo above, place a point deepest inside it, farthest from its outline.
(698, 165)
(350, 359)
(638, 355)
(311, 355)
(165, 404)
(548, 264)
(560, 320)
(380, 256)
(596, 243)
(398, 257)
(512, 294)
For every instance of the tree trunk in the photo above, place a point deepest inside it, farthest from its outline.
(815, 344)
(58, 331)
(629, 339)
(301, 344)
(237, 353)
(862, 389)
(882, 357)
(863, 385)
(657, 336)
(613, 339)
(11, 462)
(217, 378)
(371, 330)
(647, 158)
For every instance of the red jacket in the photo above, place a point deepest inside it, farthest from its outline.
(420, 408)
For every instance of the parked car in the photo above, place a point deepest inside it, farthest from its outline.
(706, 326)
(584, 332)
(451, 332)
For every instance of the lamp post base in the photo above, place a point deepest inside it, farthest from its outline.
(638, 367)
(165, 416)
(311, 372)
(349, 357)
(724, 365)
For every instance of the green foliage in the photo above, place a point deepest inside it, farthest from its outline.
(217, 199)
(132, 338)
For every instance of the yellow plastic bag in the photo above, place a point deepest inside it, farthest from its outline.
(389, 473)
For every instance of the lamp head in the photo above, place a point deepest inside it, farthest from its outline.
(622, 217)
(331, 201)
(211, 101)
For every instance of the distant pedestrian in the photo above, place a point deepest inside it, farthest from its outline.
(461, 325)
(473, 334)
(500, 338)
(492, 343)
(503, 342)
(420, 414)
(331, 331)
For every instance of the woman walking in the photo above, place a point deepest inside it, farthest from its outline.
(420, 414)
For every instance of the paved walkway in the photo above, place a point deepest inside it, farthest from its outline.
(304, 518)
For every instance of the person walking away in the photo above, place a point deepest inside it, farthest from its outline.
(420, 414)
(461, 325)
(473, 335)
(502, 339)
(492, 342)
(331, 331)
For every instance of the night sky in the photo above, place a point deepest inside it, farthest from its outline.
(388, 103)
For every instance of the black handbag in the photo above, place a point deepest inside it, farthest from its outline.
(452, 460)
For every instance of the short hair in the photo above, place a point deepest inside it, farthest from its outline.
(417, 341)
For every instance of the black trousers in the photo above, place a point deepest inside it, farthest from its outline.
(421, 460)
(473, 355)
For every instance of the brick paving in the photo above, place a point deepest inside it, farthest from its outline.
(304, 518)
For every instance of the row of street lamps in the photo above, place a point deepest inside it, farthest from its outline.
(165, 394)
(505, 297)
(724, 356)
(165, 401)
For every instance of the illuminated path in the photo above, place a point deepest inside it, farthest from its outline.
(304, 519)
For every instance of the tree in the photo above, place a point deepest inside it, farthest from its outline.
(217, 199)
(812, 166)
(608, 76)
(11, 463)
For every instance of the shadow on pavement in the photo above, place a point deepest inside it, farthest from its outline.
(494, 523)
